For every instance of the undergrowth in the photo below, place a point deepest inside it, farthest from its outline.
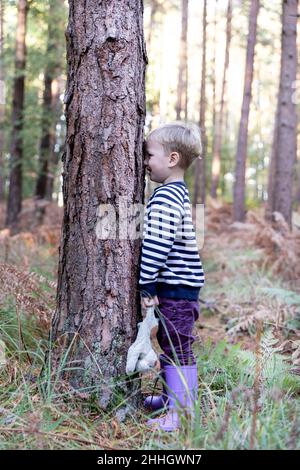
(248, 397)
(38, 411)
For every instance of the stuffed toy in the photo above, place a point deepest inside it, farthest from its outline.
(141, 357)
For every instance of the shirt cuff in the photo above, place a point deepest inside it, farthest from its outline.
(148, 290)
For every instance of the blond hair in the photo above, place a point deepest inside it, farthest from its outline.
(179, 137)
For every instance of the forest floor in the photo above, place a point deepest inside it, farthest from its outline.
(247, 344)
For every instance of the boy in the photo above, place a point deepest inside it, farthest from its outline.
(171, 273)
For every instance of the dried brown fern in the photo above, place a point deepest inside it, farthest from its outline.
(272, 314)
(281, 246)
(292, 355)
(218, 215)
(296, 361)
(29, 292)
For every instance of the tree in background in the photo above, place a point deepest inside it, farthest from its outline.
(213, 69)
(14, 203)
(55, 144)
(155, 6)
(182, 93)
(97, 296)
(2, 104)
(200, 176)
(217, 143)
(241, 154)
(51, 107)
(284, 149)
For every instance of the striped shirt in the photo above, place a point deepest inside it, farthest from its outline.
(170, 261)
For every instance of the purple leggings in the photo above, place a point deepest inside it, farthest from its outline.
(174, 336)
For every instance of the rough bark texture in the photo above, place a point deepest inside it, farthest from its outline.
(216, 163)
(14, 203)
(181, 104)
(200, 173)
(241, 154)
(97, 297)
(284, 150)
(2, 104)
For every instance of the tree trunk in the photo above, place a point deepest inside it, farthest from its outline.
(2, 102)
(40, 190)
(181, 104)
(241, 154)
(216, 163)
(97, 296)
(14, 203)
(285, 136)
(200, 173)
(154, 9)
(272, 168)
(48, 118)
(213, 71)
(56, 107)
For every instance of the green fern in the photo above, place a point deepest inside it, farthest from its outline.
(285, 296)
(275, 369)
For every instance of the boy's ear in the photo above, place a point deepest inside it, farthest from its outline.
(174, 158)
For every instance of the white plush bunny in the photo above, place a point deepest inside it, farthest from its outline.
(141, 357)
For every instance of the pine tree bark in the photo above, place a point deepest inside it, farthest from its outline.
(97, 296)
(216, 163)
(284, 151)
(200, 172)
(2, 101)
(14, 203)
(241, 154)
(181, 104)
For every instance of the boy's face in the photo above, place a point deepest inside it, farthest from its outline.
(156, 161)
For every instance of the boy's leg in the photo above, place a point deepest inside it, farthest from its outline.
(177, 318)
(176, 321)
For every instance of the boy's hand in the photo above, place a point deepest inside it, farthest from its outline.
(149, 302)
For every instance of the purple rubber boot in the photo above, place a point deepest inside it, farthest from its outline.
(182, 390)
(158, 402)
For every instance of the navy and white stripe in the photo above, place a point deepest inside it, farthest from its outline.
(170, 261)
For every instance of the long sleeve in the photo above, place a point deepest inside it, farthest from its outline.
(163, 215)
